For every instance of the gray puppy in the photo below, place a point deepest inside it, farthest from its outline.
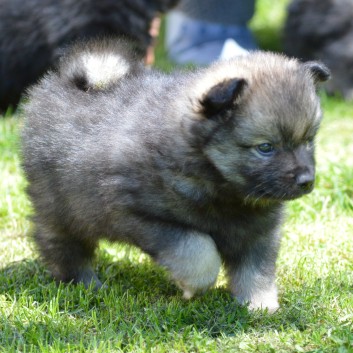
(33, 33)
(193, 167)
(323, 30)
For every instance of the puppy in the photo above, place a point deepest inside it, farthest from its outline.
(323, 30)
(193, 168)
(33, 33)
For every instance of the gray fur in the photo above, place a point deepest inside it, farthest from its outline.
(171, 164)
(33, 33)
(323, 30)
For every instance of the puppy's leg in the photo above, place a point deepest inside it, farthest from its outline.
(67, 258)
(193, 261)
(252, 275)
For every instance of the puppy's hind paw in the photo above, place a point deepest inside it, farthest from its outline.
(89, 279)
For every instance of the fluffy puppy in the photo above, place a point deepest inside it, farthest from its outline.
(192, 167)
(33, 32)
(323, 30)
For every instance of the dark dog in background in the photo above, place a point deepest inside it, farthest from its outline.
(323, 30)
(191, 167)
(33, 32)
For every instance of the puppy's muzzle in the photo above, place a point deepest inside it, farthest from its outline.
(305, 181)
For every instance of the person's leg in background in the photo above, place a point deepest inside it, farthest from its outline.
(201, 31)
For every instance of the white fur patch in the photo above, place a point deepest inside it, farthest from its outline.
(265, 299)
(253, 288)
(194, 263)
(104, 69)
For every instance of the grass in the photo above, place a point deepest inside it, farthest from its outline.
(142, 311)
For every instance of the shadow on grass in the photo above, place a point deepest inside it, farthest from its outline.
(133, 289)
(139, 304)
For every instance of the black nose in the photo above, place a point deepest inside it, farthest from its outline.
(305, 181)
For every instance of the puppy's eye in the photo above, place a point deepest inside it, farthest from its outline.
(265, 149)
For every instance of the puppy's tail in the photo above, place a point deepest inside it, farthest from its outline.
(100, 64)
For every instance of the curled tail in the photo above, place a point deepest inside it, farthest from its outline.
(99, 64)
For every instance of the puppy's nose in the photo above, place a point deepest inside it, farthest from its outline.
(305, 181)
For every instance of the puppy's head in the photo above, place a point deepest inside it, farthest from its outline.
(257, 124)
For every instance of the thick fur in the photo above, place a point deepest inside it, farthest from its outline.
(33, 33)
(323, 30)
(178, 165)
(99, 65)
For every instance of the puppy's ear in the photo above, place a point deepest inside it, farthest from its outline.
(319, 71)
(221, 96)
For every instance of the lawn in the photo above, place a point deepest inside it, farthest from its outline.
(142, 311)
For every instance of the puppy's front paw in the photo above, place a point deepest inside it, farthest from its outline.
(194, 263)
(190, 290)
(264, 300)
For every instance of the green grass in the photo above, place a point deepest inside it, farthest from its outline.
(142, 311)
(267, 23)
